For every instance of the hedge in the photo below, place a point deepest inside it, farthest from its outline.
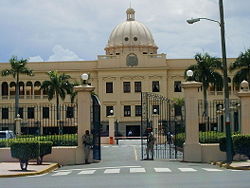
(45, 148)
(241, 144)
(57, 140)
(26, 150)
(204, 137)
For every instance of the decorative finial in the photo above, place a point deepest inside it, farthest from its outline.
(130, 14)
(244, 86)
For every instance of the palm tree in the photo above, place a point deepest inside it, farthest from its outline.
(17, 67)
(205, 72)
(242, 65)
(58, 86)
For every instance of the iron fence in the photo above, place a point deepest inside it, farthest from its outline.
(212, 118)
(166, 121)
(41, 122)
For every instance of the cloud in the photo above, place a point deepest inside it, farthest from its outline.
(62, 54)
(36, 59)
(83, 27)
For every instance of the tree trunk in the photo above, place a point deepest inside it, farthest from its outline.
(17, 96)
(205, 114)
(58, 115)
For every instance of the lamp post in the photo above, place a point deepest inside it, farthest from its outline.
(225, 77)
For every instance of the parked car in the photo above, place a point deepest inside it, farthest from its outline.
(7, 134)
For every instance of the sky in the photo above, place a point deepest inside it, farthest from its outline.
(68, 30)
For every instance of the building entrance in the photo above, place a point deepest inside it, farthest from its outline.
(161, 128)
(133, 130)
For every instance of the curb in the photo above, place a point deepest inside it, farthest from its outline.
(229, 166)
(49, 169)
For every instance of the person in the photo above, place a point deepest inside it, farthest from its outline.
(87, 141)
(150, 145)
(130, 133)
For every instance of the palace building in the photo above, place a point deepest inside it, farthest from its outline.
(131, 65)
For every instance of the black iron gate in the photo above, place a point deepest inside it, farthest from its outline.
(95, 127)
(164, 119)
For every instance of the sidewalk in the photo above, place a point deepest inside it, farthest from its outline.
(241, 165)
(12, 169)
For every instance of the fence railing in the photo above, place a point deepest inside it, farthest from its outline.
(41, 122)
(212, 118)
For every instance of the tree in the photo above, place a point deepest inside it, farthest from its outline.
(242, 68)
(58, 86)
(17, 67)
(205, 72)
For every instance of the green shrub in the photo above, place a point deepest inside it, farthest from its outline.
(204, 137)
(58, 140)
(3, 143)
(24, 151)
(241, 144)
(45, 148)
(179, 140)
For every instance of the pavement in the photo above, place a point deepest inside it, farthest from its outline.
(236, 165)
(13, 169)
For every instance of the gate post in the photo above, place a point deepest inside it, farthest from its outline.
(18, 125)
(155, 126)
(244, 96)
(84, 117)
(111, 128)
(192, 147)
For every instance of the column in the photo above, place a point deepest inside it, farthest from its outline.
(111, 129)
(84, 121)
(244, 96)
(192, 147)
(155, 127)
(18, 125)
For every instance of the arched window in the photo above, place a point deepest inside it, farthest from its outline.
(21, 89)
(5, 89)
(12, 88)
(29, 89)
(37, 87)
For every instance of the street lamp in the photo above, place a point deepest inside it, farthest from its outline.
(225, 78)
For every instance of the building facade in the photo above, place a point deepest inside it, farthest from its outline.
(131, 65)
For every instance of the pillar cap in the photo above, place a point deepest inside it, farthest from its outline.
(191, 84)
(244, 86)
(84, 88)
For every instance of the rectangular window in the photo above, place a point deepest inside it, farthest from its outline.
(108, 110)
(155, 86)
(137, 86)
(137, 110)
(156, 109)
(5, 113)
(126, 87)
(31, 112)
(20, 112)
(45, 112)
(109, 87)
(177, 86)
(127, 111)
(70, 112)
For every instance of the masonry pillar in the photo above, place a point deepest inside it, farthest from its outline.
(111, 129)
(192, 147)
(18, 125)
(244, 96)
(84, 121)
(155, 118)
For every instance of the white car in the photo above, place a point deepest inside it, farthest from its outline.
(6, 134)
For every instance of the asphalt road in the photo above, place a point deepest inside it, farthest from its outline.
(121, 167)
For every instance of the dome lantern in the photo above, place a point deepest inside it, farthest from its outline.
(130, 14)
